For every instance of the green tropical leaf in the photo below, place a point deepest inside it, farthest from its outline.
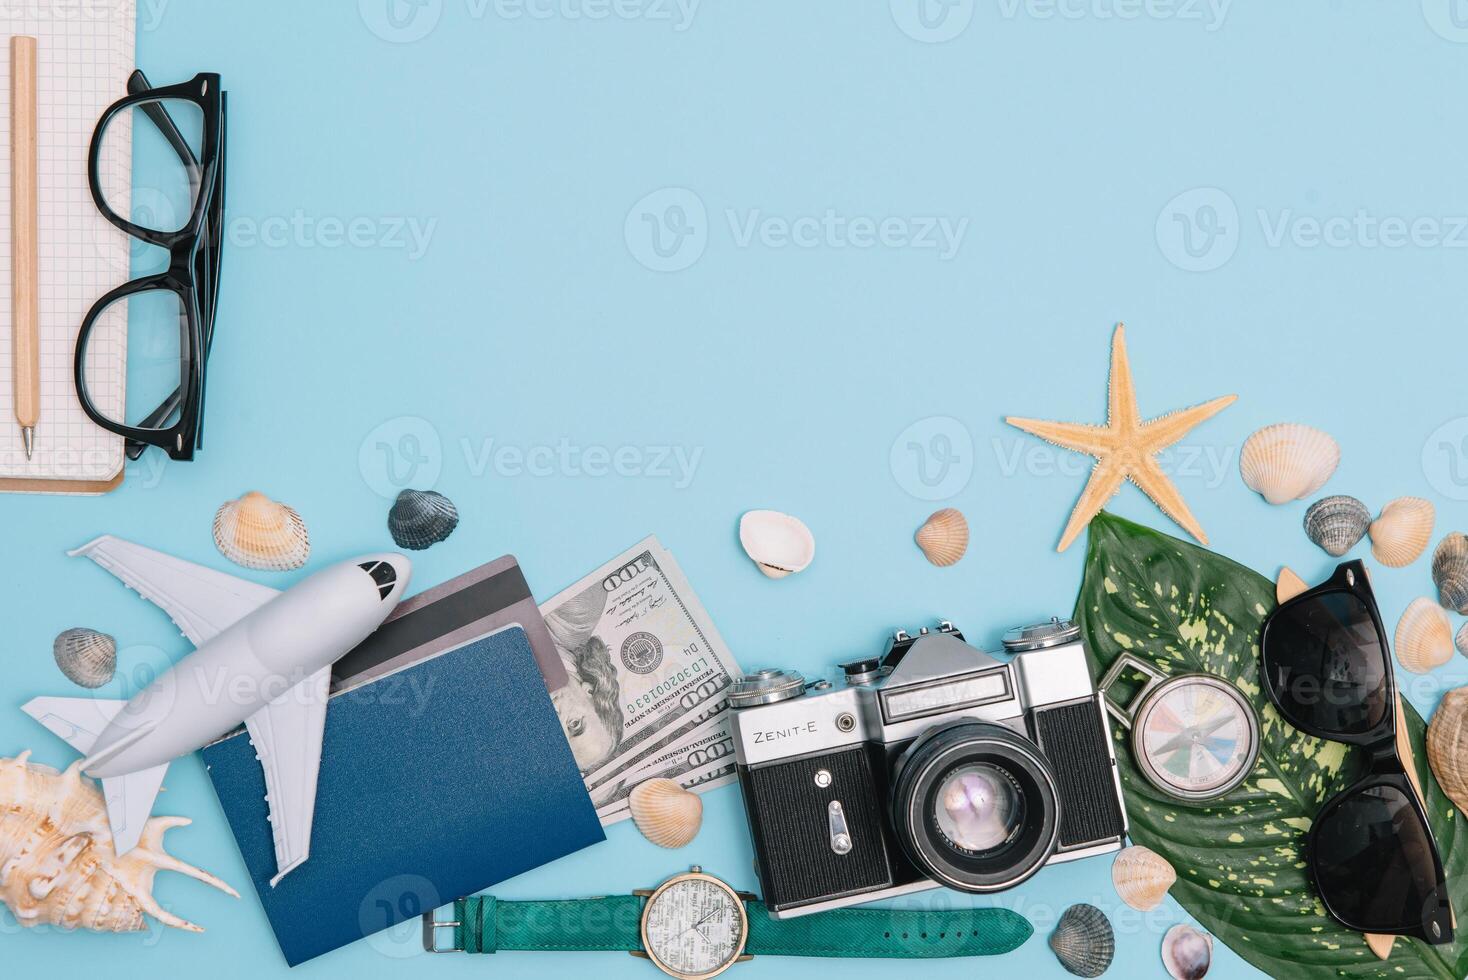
(1238, 858)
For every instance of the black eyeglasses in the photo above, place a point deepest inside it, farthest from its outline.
(175, 201)
(1327, 668)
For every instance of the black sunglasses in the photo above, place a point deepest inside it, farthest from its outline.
(1327, 668)
(191, 282)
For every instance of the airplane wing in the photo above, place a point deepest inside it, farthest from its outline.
(199, 600)
(80, 722)
(286, 734)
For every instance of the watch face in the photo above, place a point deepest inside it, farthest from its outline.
(694, 927)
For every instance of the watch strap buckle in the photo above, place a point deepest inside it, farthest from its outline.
(430, 934)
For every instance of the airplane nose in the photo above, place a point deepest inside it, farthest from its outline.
(387, 573)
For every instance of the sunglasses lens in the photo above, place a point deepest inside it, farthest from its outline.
(1374, 866)
(1325, 665)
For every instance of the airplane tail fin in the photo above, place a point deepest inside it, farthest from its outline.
(80, 722)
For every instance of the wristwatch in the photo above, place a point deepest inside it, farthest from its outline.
(693, 926)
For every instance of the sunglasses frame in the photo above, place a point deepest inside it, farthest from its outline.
(1386, 766)
(193, 266)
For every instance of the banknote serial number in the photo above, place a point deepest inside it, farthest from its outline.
(669, 685)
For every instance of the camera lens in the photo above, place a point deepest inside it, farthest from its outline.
(975, 807)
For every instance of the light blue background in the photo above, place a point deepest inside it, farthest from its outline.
(527, 142)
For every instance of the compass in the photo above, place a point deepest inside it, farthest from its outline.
(1194, 736)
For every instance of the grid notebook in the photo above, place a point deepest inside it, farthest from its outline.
(85, 54)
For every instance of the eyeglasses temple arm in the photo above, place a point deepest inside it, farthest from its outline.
(137, 83)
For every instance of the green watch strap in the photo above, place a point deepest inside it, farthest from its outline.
(614, 923)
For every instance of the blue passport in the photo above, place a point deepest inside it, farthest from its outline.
(437, 781)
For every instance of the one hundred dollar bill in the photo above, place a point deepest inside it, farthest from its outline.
(647, 669)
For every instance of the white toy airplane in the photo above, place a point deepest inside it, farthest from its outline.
(263, 658)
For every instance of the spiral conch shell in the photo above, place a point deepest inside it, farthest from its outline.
(257, 532)
(1424, 637)
(944, 537)
(1402, 531)
(57, 865)
(1142, 877)
(1288, 461)
(665, 812)
(1447, 746)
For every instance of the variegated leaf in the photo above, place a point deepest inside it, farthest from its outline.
(1240, 869)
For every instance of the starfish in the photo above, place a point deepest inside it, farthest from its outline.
(1125, 448)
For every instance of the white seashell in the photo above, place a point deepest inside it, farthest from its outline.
(85, 656)
(1424, 637)
(1084, 941)
(1337, 523)
(1402, 532)
(1450, 571)
(1288, 461)
(666, 813)
(257, 532)
(778, 543)
(1447, 746)
(1187, 953)
(1142, 877)
(944, 537)
(57, 864)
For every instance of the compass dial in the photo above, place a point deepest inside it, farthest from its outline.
(1196, 737)
(694, 927)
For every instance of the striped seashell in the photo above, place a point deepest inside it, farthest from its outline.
(1402, 532)
(257, 532)
(943, 538)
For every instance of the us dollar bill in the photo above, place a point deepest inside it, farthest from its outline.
(705, 752)
(647, 669)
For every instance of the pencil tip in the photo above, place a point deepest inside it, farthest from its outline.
(28, 436)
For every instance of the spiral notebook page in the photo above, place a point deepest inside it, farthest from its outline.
(85, 55)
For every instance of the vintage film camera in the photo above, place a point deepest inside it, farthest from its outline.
(934, 764)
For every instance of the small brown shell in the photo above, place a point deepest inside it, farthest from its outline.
(944, 537)
(257, 532)
(1447, 746)
(1337, 523)
(1084, 941)
(1142, 877)
(1450, 571)
(1401, 533)
(1424, 638)
(665, 812)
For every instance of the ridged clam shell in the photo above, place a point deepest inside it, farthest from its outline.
(257, 532)
(85, 656)
(1462, 639)
(666, 813)
(778, 543)
(1402, 532)
(1288, 461)
(1447, 746)
(1084, 941)
(1337, 523)
(1424, 637)
(420, 518)
(943, 537)
(60, 866)
(1450, 571)
(1142, 877)
(1187, 953)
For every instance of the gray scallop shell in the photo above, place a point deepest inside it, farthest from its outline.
(420, 518)
(1450, 571)
(1337, 523)
(85, 656)
(1084, 941)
